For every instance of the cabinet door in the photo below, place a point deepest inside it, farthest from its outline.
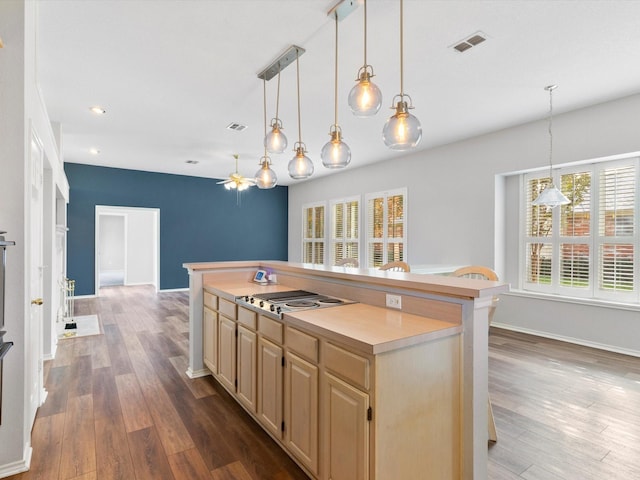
(270, 394)
(301, 410)
(227, 352)
(247, 367)
(345, 430)
(210, 340)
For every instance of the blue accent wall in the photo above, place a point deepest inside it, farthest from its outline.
(199, 220)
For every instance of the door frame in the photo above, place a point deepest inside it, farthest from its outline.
(124, 211)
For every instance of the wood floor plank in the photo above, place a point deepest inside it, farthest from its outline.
(113, 456)
(117, 350)
(199, 387)
(78, 455)
(189, 465)
(106, 402)
(46, 440)
(134, 408)
(99, 352)
(232, 471)
(147, 454)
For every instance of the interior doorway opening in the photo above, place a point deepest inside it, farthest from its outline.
(127, 246)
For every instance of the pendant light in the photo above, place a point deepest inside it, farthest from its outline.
(365, 97)
(276, 141)
(265, 177)
(551, 197)
(402, 130)
(336, 153)
(300, 166)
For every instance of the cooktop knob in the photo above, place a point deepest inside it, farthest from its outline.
(261, 303)
(246, 298)
(272, 308)
(252, 300)
(278, 310)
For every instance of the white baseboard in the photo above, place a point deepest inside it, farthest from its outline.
(167, 290)
(198, 373)
(562, 338)
(76, 297)
(18, 466)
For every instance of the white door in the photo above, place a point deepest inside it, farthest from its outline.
(34, 340)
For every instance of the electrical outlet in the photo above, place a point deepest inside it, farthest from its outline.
(394, 301)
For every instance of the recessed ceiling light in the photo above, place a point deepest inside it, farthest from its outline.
(192, 162)
(94, 151)
(238, 127)
(98, 110)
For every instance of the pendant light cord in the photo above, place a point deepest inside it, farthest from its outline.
(401, 52)
(277, 95)
(298, 88)
(335, 95)
(365, 32)
(264, 109)
(551, 133)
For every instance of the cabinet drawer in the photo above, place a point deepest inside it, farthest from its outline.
(247, 317)
(302, 344)
(210, 300)
(272, 329)
(351, 367)
(227, 308)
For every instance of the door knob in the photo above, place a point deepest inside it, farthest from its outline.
(37, 301)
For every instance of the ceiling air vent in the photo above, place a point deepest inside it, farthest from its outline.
(469, 42)
(192, 162)
(238, 127)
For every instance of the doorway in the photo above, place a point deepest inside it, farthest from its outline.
(127, 247)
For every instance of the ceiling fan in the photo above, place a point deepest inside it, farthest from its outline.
(237, 181)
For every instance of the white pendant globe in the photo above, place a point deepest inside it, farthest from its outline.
(402, 130)
(265, 177)
(275, 141)
(300, 166)
(365, 98)
(335, 153)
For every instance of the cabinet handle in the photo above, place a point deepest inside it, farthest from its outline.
(37, 301)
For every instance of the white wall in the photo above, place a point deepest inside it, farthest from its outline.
(111, 243)
(141, 247)
(452, 208)
(22, 108)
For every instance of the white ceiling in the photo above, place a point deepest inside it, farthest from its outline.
(173, 74)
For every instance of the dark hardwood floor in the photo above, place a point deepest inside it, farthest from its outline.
(121, 407)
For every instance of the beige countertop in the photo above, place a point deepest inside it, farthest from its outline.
(370, 329)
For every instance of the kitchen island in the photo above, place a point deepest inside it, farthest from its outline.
(356, 391)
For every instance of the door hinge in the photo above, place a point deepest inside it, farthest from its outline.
(282, 426)
(369, 413)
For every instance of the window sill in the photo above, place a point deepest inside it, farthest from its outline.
(634, 307)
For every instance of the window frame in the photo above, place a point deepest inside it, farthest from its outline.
(333, 240)
(368, 239)
(314, 240)
(594, 240)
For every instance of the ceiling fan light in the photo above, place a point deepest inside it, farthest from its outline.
(300, 166)
(335, 153)
(265, 177)
(402, 130)
(365, 98)
(275, 141)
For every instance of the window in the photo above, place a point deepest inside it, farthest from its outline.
(345, 221)
(313, 237)
(589, 247)
(386, 227)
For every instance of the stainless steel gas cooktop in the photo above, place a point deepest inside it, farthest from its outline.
(276, 304)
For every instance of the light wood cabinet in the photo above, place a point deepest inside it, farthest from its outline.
(301, 411)
(227, 353)
(247, 367)
(270, 388)
(210, 339)
(345, 430)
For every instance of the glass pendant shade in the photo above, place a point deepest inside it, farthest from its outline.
(551, 197)
(275, 141)
(300, 166)
(335, 153)
(265, 177)
(365, 98)
(402, 130)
